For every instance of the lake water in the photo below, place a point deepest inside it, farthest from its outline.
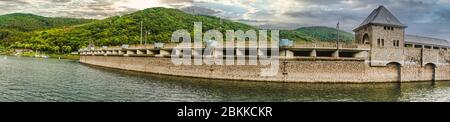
(36, 80)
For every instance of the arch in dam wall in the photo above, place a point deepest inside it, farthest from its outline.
(394, 71)
(430, 72)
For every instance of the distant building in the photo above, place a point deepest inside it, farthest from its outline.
(426, 42)
(386, 36)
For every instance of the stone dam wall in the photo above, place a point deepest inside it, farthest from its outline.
(330, 71)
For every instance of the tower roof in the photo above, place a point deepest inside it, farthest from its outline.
(381, 16)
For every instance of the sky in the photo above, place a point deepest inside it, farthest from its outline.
(423, 17)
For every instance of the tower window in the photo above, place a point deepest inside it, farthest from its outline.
(388, 28)
(396, 43)
(378, 42)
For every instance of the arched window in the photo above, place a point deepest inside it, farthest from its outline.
(365, 39)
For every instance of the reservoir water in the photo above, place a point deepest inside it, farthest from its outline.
(48, 80)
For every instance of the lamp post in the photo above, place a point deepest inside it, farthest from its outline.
(337, 41)
(148, 36)
(141, 32)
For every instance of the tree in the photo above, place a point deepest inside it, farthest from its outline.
(66, 49)
(55, 49)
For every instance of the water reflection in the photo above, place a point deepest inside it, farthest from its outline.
(221, 90)
(29, 79)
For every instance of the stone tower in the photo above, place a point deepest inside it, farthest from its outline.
(386, 35)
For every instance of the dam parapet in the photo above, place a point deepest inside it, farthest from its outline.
(319, 50)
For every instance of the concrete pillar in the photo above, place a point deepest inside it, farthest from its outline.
(335, 54)
(149, 52)
(197, 53)
(287, 53)
(121, 52)
(362, 54)
(260, 52)
(218, 53)
(313, 53)
(178, 52)
(139, 52)
(240, 52)
(130, 52)
(164, 53)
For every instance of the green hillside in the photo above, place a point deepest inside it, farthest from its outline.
(317, 33)
(62, 35)
(30, 22)
(118, 30)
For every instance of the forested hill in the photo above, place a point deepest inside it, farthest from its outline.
(30, 22)
(326, 33)
(64, 35)
(125, 29)
(317, 33)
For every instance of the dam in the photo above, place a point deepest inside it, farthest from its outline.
(382, 52)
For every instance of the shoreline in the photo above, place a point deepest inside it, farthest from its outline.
(53, 56)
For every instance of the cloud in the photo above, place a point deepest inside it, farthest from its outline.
(422, 16)
(97, 9)
(200, 10)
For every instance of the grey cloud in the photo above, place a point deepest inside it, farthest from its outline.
(60, 1)
(176, 1)
(16, 1)
(444, 16)
(200, 10)
(65, 8)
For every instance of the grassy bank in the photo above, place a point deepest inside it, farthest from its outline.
(62, 56)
